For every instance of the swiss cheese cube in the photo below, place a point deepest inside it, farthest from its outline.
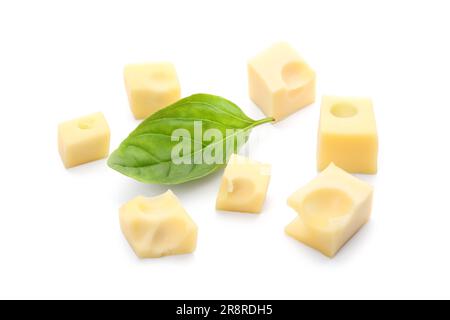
(83, 140)
(331, 209)
(280, 81)
(158, 226)
(348, 135)
(244, 186)
(151, 87)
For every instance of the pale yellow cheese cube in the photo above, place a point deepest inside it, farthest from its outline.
(151, 87)
(83, 140)
(158, 226)
(280, 81)
(348, 135)
(244, 186)
(331, 209)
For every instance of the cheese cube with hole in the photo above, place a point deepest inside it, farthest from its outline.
(331, 209)
(280, 81)
(244, 186)
(83, 140)
(151, 87)
(348, 135)
(158, 226)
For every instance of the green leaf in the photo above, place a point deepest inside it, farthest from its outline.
(146, 155)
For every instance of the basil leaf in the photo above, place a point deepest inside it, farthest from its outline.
(146, 155)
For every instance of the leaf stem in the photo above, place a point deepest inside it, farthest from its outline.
(262, 121)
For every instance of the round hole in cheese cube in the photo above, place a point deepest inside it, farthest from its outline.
(295, 75)
(86, 123)
(344, 110)
(323, 207)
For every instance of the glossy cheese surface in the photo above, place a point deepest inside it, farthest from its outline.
(83, 140)
(151, 87)
(280, 81)
(331, 209)
(244, 186)
(158, 226)
(348, 135)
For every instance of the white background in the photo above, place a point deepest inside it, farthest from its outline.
(59, 230)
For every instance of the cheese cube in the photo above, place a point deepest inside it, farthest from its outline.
(151, 87)
(331, 209)
(83, 140)
(157, 227)
(280, 81)
(348, 135)
(244, 186)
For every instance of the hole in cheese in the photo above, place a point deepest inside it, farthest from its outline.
(295, 75)
(86, 123)
(343, 110)
(324, 206)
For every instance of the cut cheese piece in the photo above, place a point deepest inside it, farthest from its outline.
(151, 87)
(83, 140)
(348, 135)
(157, 227)
(331, 209)
(280, 81)
(244, 186)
